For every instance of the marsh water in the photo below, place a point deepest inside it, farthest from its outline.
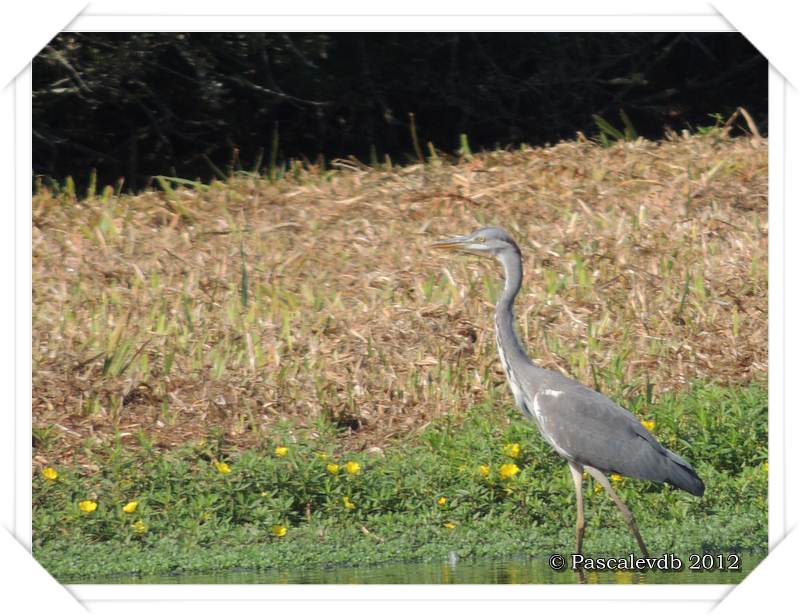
(535, 571)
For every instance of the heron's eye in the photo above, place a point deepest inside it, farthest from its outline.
(480, 239)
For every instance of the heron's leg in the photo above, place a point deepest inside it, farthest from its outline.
(629, 520)
(576, 470)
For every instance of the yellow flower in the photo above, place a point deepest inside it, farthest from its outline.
(442, 500)
(483, 469)
(352, 468)
(616, 478)
(649, 425)
(87, 505)
(222, 467)
(597, 488)
(347, 503)
(512, 450)
(333, 469)
(766, 467)
(279, 530)
(130, 507)
(281, 451)
(49, 473)
(508, 470)
(139, 527)
(450, 525)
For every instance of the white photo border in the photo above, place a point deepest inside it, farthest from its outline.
(101, 17)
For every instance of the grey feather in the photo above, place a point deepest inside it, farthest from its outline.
(592, 430)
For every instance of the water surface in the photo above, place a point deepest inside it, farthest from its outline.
(533, 571)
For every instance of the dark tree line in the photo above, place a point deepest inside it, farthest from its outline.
(138, 104)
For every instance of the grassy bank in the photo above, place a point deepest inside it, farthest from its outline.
(487, 486)
(276, 371)
(240, 304)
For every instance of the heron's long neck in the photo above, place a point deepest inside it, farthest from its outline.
(507, 339)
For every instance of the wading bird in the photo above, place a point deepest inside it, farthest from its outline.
(587, 429)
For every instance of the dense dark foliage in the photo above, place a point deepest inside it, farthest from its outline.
(137, 104)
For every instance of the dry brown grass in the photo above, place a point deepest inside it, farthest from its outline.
(646, 263)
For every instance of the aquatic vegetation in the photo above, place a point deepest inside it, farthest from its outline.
(454, 478)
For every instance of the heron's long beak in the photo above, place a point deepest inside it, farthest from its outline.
(451, 244)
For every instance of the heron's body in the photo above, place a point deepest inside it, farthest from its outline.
(587, 429)
(611, 439)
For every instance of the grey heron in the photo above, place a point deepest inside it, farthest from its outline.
(587, 429)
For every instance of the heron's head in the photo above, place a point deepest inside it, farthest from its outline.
(486, 242)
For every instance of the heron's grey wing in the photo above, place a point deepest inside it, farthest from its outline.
(593, 430)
